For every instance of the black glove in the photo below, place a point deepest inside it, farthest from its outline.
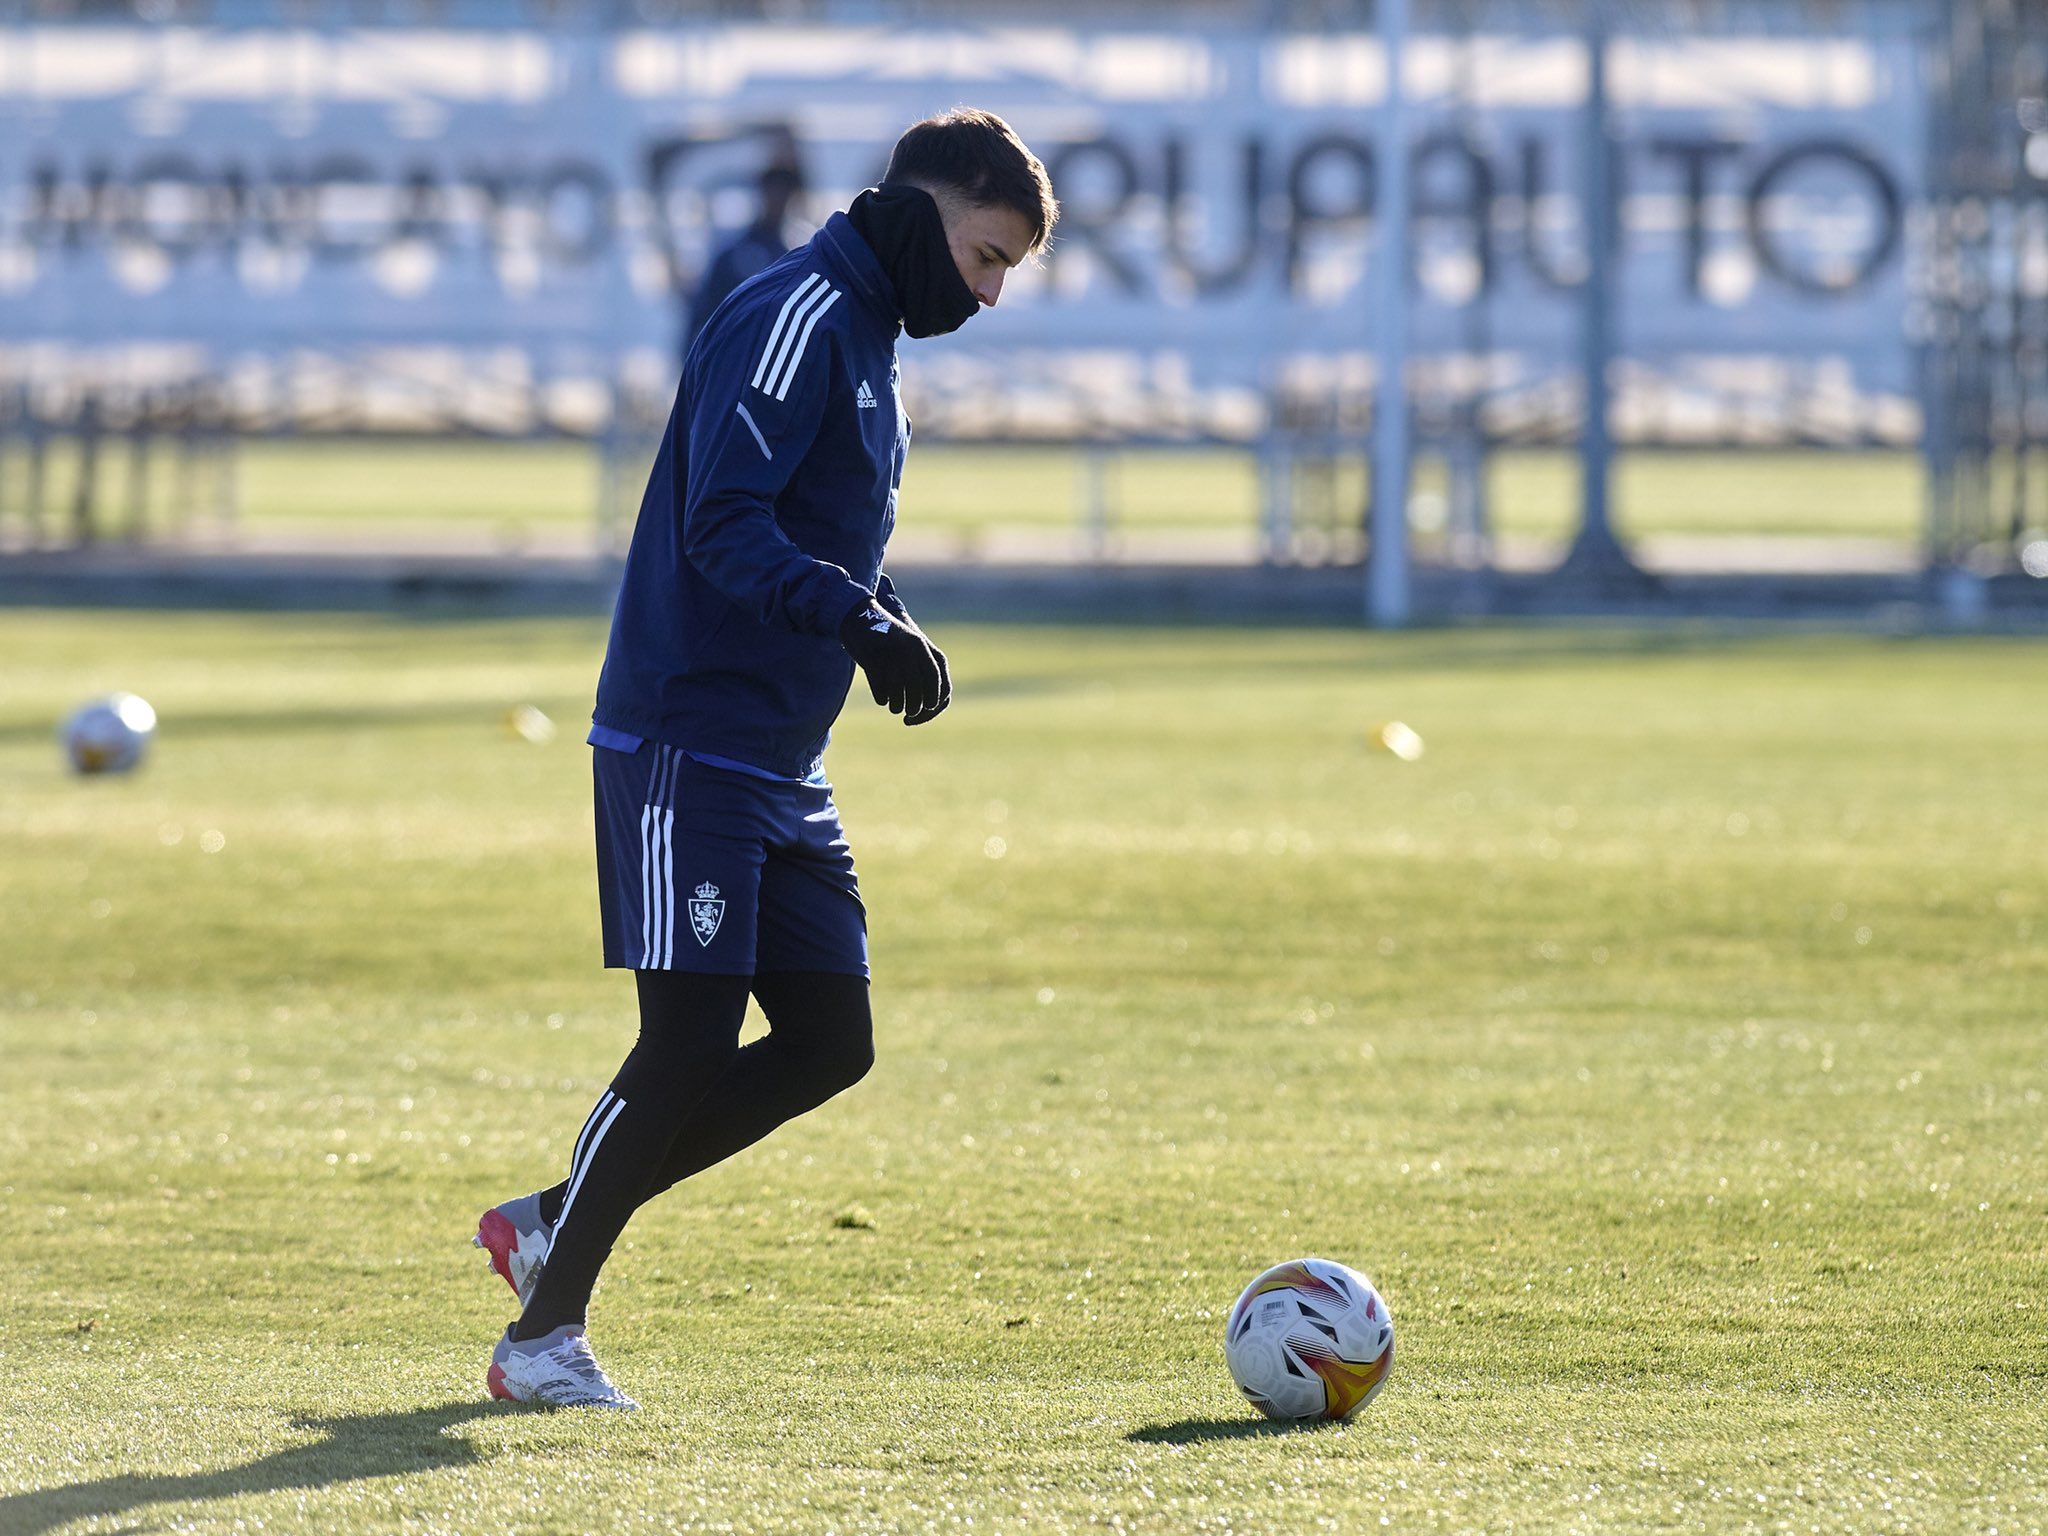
(905, 671)
(885, 594)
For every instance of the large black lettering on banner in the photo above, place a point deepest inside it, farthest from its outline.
(565, 215)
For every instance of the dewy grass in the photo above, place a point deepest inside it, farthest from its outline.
(1665, 1042)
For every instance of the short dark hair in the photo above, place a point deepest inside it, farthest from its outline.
(978, 156)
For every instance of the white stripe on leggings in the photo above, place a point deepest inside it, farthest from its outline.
(596, 1110)
(589, 1157)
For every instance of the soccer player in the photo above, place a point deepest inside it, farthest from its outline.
(753, 589)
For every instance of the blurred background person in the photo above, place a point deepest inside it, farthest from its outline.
(749, 252)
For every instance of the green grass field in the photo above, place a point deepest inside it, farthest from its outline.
(1666, 1043)
(978, 492)
(372, 489)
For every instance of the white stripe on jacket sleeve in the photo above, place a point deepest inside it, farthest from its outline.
(748, 417)
(822, 294)
(797, 354)
(775, 336)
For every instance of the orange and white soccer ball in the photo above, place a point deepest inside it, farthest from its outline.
(1309, 1339)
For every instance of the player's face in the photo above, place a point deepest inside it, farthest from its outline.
(986, 243)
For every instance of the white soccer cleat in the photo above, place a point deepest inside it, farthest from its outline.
(517, 1240)
(557, 1369)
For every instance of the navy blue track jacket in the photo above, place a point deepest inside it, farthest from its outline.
(765, 517)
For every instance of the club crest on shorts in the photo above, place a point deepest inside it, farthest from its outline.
(706, 913)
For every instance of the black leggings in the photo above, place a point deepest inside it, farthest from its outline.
(689, 1096)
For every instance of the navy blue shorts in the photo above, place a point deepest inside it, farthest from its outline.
(715, 871)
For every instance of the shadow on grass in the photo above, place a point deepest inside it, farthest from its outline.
(1190, 1431)
(354, 1448)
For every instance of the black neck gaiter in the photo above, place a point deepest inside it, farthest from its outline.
(901, 225)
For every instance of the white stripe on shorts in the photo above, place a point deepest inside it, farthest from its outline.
(647, 885)
(668, 886)
(658, 863)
